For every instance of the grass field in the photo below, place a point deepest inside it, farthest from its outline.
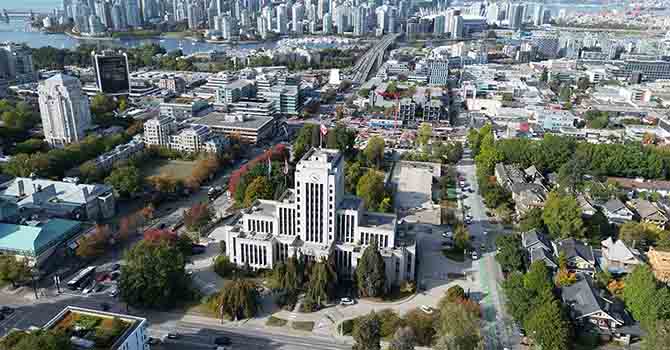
(178, 169)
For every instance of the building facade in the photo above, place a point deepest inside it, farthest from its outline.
(64, 110)
(318, 220)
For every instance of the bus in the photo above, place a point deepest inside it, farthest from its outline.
(81, 278)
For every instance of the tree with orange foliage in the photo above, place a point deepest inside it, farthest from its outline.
(94, 245)
(197, 216)
(148, 211)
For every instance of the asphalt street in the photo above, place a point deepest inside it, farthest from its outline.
(195, 336)
(498, 328)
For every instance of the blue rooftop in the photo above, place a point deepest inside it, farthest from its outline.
(33, 240)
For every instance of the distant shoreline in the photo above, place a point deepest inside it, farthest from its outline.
(74, 36)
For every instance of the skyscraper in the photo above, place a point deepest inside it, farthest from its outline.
(282, 19)
(538, 16)
(515, 16)
(133, 18)
(322, 8)
(64, 110)
(118, 17)
(438, 25)
(298, 14)
(360, 19)
(16, 63)
(212, 14)
(342, 18)
(112, 73)
(457, 32)
(327, 24)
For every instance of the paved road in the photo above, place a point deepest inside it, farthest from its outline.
(498, 328)
(194, 336)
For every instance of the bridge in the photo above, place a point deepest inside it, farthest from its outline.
(373, 58)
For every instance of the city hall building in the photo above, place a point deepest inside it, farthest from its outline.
(316, 220)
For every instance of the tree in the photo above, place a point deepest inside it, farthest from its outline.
(154, 275)
(259, 188)
(658, 338)
(374, 151)
(510, 255)
(322, 282)
(371, 273)
(102, 104)
(307, 138)
(424, 134)
(454, 294)
(565, 93)
(461, 237)
(461, 324)
(93, 245)
(537, 278)
(532, 219)
(223, 267)
(364, 93)
(643, 297)
(403, 339)
(239, 299)
(563, 216)
(197, 216)
(367, 333)
(43, 340)
(353, 172)
(519, 299)
(548, 326)
(126, 180)
(544, 77)
(13, 270)
(371, 189)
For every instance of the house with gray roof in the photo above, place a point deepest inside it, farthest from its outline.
(593, 308)
(539, 248)
(579, 255)
(616, 211)
(617, 257)
(649, 213)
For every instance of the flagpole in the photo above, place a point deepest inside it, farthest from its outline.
(320, 132)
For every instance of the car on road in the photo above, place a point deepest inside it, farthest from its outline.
(427, 309)
(173, 335)
(474, 255)
(198, 249)
(154, 341)
(468, 221)
(6, 310)
(482, 246)
(222, 340)
(116, 266)
(486, 232)
(447, 234)
(115, 275)
(114, 292)
(347, 301)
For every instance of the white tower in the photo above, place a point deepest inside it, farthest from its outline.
(64, 110)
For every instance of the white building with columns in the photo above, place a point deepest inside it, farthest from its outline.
(315, 220)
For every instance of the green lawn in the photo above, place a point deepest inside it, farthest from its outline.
(276, 322)
(178, 169)
(303, 325)
(454, 254)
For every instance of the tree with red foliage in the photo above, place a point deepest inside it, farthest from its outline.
(157, 236)
(93, 245)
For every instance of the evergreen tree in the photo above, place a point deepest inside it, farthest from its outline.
(371, 272)
(367, 333)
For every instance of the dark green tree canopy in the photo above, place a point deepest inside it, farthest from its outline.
(371, 273)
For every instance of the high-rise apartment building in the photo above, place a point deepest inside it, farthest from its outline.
(157, 131)
(16, 63)
(282, 19)
(327, 24)
(360, 19)
(317, 220)
(64, 109)
(297, 17)
(133, 18)
(112, 73)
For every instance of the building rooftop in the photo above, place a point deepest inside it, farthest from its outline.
(92, 329)
(378, 221)
(223, 120)
(263, 207)
(33, 240)
(27, 191)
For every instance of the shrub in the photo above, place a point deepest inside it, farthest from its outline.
(390, 322)
(223, 267)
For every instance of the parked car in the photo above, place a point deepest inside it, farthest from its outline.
(114, 292)
(6, 310)
(447, 234)
(198, 249)
(114, 275)
(154, 341)
(427, 309)
(474, 255)
(173, 335)
(347, 301)
(222, 340)
(116, 266)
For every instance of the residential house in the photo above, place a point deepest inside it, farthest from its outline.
(617, 257)
(660, 264)
(508, 175)
(539, 247)
(588, 210)
(527, 196)
(648, 212)
(592, 307)
(661, 187)
(617, 212)
(579, 255)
